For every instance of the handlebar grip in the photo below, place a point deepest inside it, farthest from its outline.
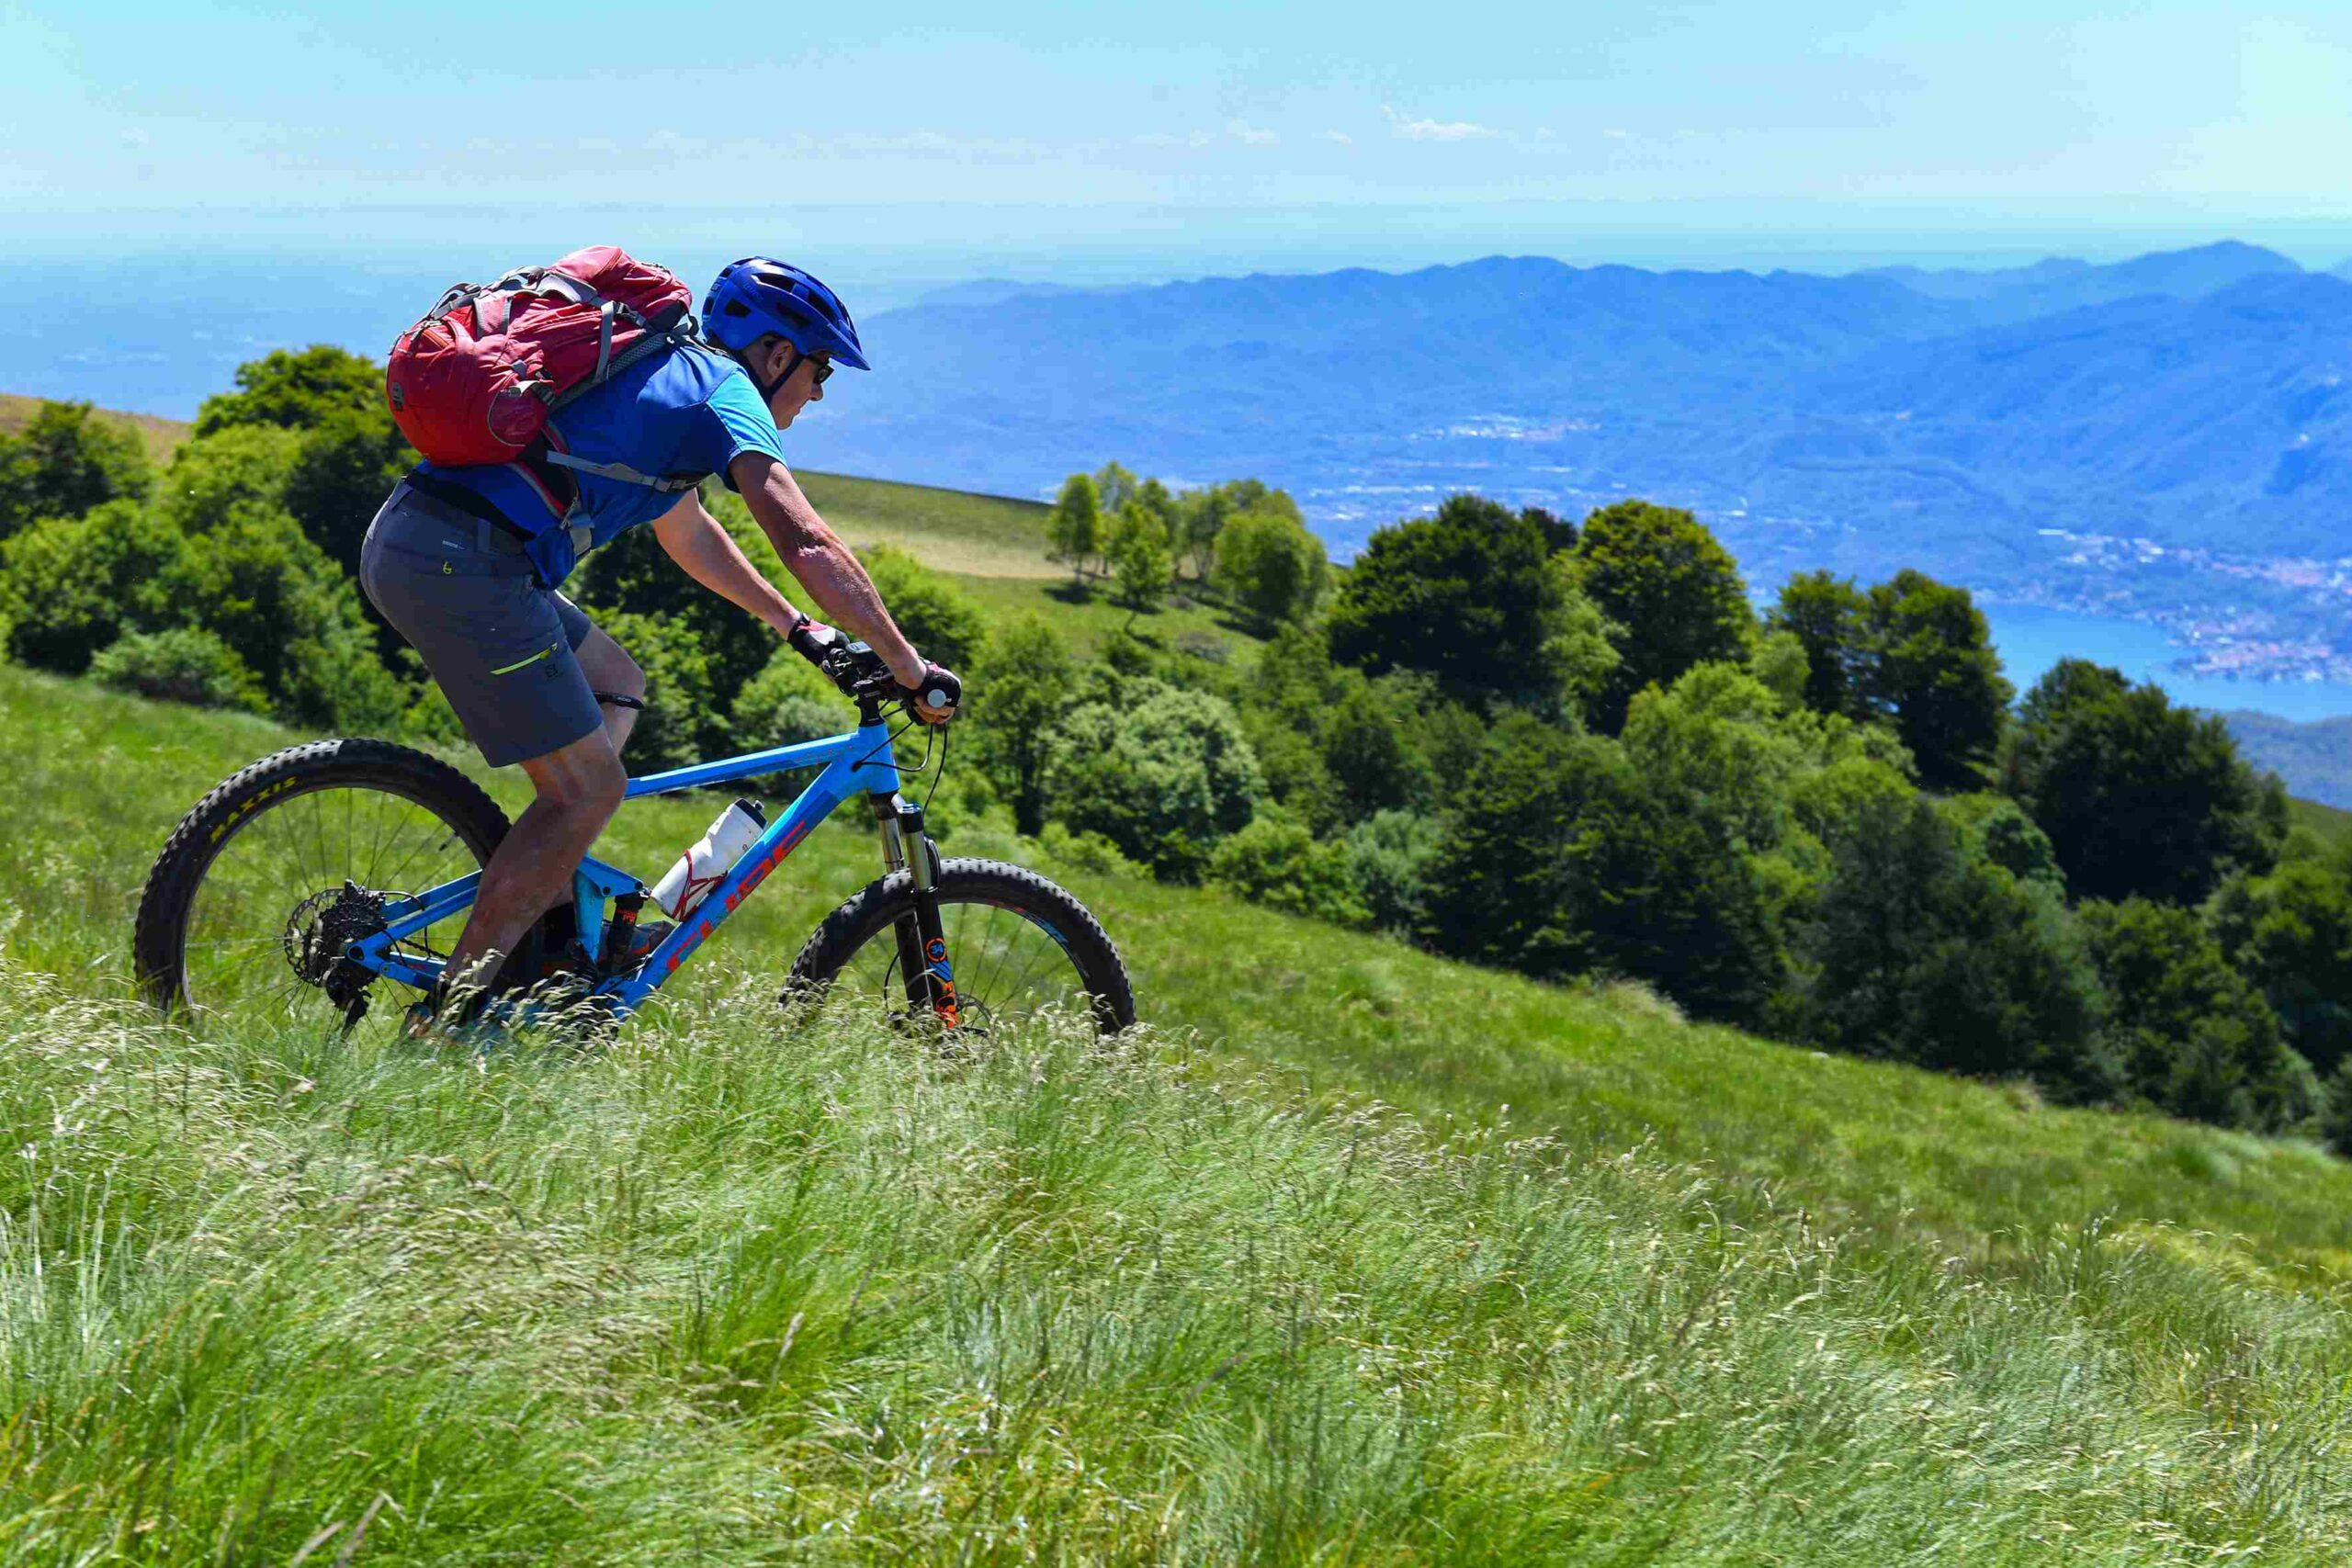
(941, 692)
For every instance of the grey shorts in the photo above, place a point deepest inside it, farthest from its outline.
(499, 644)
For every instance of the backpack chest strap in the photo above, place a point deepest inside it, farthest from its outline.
(669, 484)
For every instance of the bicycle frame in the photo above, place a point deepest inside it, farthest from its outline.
(859, 761)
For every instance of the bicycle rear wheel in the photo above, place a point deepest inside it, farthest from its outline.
(247, 911)
(1020, 948)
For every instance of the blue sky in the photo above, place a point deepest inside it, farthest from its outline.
(2024, 117)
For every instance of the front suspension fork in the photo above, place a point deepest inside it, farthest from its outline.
(922, 943)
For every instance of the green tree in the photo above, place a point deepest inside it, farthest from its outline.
(1671, 594)
(341, 474)
(1140, 561)
(296, 390)
(1115, 486)
(1470, 596)
(2193, 1038)
(2290, 934)
(1831, 619)
(942, 621)
(1558, 859)
(1917, 951)
(1163, 773)
(1018, 692)
(236, 466)
(70, 587)
(1270, 567)
(1933, 666)
(1074, 527)
(633, 577)
(1201, 516)
(2140, 798)
(1371, 752)
(253, 581)
(66, 463)
(688, 716)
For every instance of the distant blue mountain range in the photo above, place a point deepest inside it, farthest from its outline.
(1945, 418)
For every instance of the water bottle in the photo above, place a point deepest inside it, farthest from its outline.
(702, 867)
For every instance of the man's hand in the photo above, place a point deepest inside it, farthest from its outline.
(813, 640)
(936, 696)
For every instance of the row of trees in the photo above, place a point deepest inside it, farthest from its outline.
(1241, 541)
(1573, 749)
(1566, 749)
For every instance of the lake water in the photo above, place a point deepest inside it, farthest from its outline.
(2031, 638)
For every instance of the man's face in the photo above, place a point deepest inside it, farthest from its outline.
(799, 389)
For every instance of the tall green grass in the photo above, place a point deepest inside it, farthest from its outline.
(1280, 1282)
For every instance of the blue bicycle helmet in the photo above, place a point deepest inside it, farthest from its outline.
(755, 296)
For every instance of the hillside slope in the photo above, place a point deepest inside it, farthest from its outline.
(1621, 1290)
(159, 437)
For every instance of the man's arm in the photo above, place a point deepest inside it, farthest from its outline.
(816, 558)
(704, 550)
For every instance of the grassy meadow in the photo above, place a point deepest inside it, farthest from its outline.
(1353, 1256)
(158, 438)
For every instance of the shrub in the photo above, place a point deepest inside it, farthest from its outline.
(270, 594)
(2290, 934)
(1388, 862)
(1276, 862)
(1088, 851)
(68, 588)
(2336, 1111)
(1161, 772)
(180, 665)
(790, 702)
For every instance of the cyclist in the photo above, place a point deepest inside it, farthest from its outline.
(465, 563)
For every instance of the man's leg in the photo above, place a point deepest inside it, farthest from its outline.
(611, 672)
(580, 787)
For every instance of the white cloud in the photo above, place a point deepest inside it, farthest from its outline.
(134, 137)
(1340, 137)
(1252, 136)
(1437, 130)
(1616, 134)
(1170, 139)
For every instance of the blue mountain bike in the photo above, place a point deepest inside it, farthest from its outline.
(316, 878)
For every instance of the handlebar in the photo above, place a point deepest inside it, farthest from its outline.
(864, 678)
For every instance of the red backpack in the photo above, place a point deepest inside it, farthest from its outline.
(476, 379)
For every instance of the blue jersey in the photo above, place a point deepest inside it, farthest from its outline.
(686, 412)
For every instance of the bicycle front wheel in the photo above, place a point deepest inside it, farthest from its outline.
(1020, 947)
(262, 885)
